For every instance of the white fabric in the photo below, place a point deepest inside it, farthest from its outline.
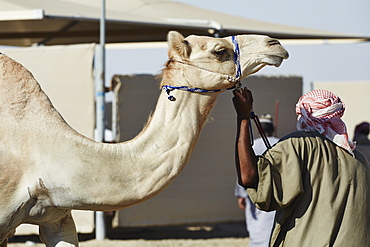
(321, 110)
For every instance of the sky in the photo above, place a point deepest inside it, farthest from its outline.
(328, 62)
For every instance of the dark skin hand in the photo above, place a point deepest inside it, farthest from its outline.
(241, 203)
(245, 159)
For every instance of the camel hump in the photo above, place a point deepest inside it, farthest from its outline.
(15, 79)
(18, 87)
(12, 72)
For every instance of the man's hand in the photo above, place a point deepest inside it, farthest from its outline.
(243, 102)
(241, 203)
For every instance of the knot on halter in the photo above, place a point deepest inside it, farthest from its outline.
(236, 80)
(168, 90)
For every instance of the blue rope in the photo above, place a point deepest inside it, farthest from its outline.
(169, 88)
(237, 56)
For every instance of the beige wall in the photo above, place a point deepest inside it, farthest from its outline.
(204, 191)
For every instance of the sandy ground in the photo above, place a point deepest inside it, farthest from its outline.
(224, 235)
(217, 242)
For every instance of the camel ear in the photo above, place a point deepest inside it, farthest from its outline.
(178, 45)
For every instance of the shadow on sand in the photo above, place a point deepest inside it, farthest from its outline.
(224, 230)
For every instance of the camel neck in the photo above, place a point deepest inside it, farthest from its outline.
(144, 166)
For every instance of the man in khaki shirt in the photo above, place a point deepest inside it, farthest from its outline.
(315, 178)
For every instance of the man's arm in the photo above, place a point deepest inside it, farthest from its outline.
(245, 159)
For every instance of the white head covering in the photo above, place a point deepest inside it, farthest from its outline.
(321, 110)
(266, 118)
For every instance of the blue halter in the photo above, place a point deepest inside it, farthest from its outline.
(169, 88)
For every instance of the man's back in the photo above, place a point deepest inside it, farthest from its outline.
(322, 199)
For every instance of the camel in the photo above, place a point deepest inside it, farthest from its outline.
(47, 168)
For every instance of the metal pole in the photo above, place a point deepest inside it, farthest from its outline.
(100, 233)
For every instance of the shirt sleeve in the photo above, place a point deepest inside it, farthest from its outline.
(239, 191)
(280, 176)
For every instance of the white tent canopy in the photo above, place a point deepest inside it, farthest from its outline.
(51, 22)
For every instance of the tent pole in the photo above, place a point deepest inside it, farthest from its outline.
(100, 233)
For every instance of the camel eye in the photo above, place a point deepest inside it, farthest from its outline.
(220, 52)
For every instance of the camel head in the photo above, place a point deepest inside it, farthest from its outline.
(205, 59)
(257, 51)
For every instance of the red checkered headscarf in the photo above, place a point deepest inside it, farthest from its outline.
(321, 110)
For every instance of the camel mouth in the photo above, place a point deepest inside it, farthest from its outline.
(274, 60)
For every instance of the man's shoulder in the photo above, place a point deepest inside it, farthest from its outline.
(302, 134)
